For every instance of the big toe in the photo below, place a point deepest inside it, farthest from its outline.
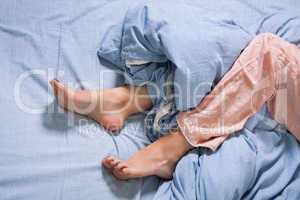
(57, 86)
(64, 94)
(110, 162)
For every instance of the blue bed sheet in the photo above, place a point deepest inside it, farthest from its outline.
(46, 153)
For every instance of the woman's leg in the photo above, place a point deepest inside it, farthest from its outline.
(268, 71)
(109, 107)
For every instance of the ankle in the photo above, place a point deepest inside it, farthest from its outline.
(175, 146)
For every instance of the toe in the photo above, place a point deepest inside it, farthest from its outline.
(53, 83)
(114, 162)
(107, 161)
(110, 162)
(64, 94)
(57, 86)
(122, 171)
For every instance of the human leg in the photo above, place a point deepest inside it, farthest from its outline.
(265, 72)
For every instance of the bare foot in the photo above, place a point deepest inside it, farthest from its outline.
(159, 158)
(143, 163)
(107, 107)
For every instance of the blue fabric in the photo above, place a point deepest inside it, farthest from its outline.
(252, 164)
(49, 154)
(202, 39)
(153, 34)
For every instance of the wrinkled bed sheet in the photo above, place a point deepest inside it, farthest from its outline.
(44, 153)
(48, 154)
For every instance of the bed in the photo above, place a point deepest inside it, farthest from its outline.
(47, 153)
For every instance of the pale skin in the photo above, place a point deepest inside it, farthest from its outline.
(111, 108)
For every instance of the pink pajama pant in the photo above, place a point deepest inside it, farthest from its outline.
(267, 71)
